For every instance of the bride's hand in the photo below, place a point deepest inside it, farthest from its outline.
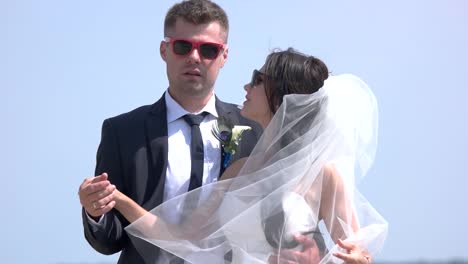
(355, 254)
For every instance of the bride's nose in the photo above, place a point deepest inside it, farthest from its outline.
(246, 86)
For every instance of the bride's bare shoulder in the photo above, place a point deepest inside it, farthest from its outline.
(330, 168)
(332, 175)
(233, 169)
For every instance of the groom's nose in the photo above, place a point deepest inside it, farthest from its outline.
(194, 56)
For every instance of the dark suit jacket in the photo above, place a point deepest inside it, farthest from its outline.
(133, 151)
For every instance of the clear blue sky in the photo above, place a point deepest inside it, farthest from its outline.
(65, 66)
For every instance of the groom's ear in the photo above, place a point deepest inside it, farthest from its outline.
(162, 50)
(224, 56)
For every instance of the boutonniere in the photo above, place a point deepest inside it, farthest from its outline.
(229, 136)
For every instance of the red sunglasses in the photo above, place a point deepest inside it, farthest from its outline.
(184, 47)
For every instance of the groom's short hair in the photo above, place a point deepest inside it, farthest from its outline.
(196, 12)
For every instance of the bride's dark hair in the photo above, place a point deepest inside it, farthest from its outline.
(291, 72)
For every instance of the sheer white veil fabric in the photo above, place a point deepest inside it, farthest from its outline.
(301, 176)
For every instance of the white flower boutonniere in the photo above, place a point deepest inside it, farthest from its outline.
(229, 136)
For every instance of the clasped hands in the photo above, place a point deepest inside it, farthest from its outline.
(97, 195)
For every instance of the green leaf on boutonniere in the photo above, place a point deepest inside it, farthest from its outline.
(228, 135)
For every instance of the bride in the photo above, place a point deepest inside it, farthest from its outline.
(294, 200)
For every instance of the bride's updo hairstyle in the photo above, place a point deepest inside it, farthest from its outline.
(291, 72)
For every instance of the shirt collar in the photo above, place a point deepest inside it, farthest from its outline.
(176, 111)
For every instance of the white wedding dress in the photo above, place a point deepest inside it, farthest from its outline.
(248, 241)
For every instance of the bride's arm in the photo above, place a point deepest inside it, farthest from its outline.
(204, 211)
(336, 205)
(233, 169)
(199, 222)
(127, 207)
(132, 211)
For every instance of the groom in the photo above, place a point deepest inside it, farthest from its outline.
(143, 153)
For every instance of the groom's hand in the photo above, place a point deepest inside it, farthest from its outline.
(97, 195)
(309, 254)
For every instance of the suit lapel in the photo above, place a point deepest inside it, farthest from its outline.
(227, 111)
(157, 142)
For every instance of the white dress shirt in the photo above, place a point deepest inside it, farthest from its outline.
(179, 137)
(179, 162)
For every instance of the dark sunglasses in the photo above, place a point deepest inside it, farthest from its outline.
(184, 47)
(257, 78)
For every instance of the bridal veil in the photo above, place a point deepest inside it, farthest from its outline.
(314, 152)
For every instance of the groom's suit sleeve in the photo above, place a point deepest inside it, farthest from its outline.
(109, 236)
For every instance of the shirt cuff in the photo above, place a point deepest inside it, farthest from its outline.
(93, 223)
